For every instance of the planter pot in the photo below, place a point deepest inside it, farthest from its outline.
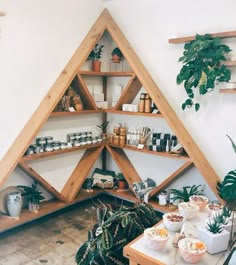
(33, 207)
(116, 59)
(14, 204)
(122, 184)
(214, 242)
(96, 65)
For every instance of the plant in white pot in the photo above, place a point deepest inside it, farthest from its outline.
(214, 235)
(32, 196)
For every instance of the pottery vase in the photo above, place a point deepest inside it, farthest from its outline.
(14, 204)
(33, 207)
(96, 65)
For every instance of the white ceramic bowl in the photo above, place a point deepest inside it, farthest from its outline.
(188, 209)
(173, 221)
(200, 200)
(214, 208)
(156, 237)
(191, 249)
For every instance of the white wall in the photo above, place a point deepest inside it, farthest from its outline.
(37, 39)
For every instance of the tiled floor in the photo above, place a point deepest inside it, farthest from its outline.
(52, 240)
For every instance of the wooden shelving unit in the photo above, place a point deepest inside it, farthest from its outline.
(138, 78)
(229, 63)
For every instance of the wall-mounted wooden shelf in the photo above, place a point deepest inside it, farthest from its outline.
(229, 63)
(92, 73)
(145, 150)
(2, 14)
(158, 115)
(227, 34)
(74, 113)
(59, 152)
(228, 91)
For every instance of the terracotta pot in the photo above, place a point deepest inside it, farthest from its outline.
(96, 66)
(122, 184)
(116, 58)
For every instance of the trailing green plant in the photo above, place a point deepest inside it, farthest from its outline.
(214, 226)
(202, 67)
(32, 194)
(186, 192)
(119, 176)
(96, 53)
(103, 126)
(114, 229)
(117, 51)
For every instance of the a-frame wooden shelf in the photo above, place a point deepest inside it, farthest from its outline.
(229, 63)
(121, 112)
(73, 76)
(74, 113)
(226, 34)
(228, 91)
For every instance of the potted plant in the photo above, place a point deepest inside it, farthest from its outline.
(32, 196)
(95, 55)
(121, 181)
(184, 194)
(116, 55)
(202, 67)
(103, 128)
(114, 229)
(214, 234)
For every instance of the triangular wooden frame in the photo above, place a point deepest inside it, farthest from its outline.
(40, 116)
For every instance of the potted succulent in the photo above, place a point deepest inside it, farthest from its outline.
(202, 67)
(95, 55)
(103, 128)
(116, 55)
(214, 234)
(184, 194)
(121, 181)
(32, 196)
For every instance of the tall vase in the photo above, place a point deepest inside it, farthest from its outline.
(14, 204)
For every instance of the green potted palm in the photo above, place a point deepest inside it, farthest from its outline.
(203, 67)
(95, 55)
(116, 55)
(121, 181)
(103, 128)
(32, 197)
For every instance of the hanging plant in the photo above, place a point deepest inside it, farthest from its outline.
(202, 67)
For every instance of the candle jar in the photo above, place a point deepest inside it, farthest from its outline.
(116, 139)
(163, 197)
(116, 130)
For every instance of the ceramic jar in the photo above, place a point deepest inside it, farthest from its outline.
(14, 204)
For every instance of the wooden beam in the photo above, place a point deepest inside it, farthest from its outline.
(174, 176)
(33, 174)
(80, 173)
(2, 14)
(125, 165)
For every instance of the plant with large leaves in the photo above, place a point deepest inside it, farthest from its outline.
(115, 228)
(202, 67)
(227, 191)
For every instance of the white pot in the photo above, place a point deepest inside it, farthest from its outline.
(14, 204)
(33, 207)
(214, 242)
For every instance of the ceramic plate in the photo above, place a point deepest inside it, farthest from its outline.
(3, 197)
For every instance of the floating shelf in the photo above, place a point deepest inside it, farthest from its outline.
(74, 113)
(229, 63)
(157, 115)
(228, 91)
(227, 34)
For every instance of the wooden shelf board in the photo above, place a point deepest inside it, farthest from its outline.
(59, 152)
(229, 63)
(228, 90)
(158, 115)
(106, 73)
(74, 113)
(145, 150)
(46, 207)
(227, 34)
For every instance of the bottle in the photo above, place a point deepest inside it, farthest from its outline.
(142, 102)
(147, 104)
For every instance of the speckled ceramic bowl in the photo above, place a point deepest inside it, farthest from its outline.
(191, 249)
(156, 237)
(173, 221)
(188, 210)
(200, 200)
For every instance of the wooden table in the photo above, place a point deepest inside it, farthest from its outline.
(139, 254)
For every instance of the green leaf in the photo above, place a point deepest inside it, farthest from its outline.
(106, 239)
(232, 142)
(83, 255)
(197, 106)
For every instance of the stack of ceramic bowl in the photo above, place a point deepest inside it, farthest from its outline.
(173, 221)
(188, 209)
